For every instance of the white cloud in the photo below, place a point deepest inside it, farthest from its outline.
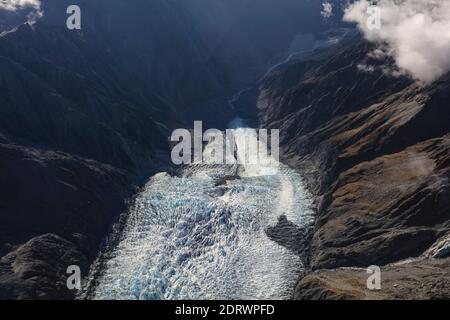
(327, 10)
(416, 33)
(13, 5)
(365, 68)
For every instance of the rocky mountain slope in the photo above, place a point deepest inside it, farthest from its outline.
(75, 139)
(375, 149)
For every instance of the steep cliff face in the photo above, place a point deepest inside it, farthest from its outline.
(375, 150)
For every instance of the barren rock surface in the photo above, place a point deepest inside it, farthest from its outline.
(417, 280)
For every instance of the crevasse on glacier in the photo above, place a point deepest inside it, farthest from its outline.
(202, 235)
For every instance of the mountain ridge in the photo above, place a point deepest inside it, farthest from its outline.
(358, 149)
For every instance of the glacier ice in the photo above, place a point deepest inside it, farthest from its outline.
(190, 237)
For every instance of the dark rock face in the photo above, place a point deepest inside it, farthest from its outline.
(290, 236)
(44, 182)
(375, 150)
(37, 269)
(390, 208)
(73, 198)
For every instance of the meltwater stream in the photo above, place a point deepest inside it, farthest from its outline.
(204, 235)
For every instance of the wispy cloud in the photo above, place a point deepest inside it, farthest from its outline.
(327, 10)
(14, 5)
(416, 33)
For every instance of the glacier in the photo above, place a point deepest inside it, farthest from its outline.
(203, 234)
